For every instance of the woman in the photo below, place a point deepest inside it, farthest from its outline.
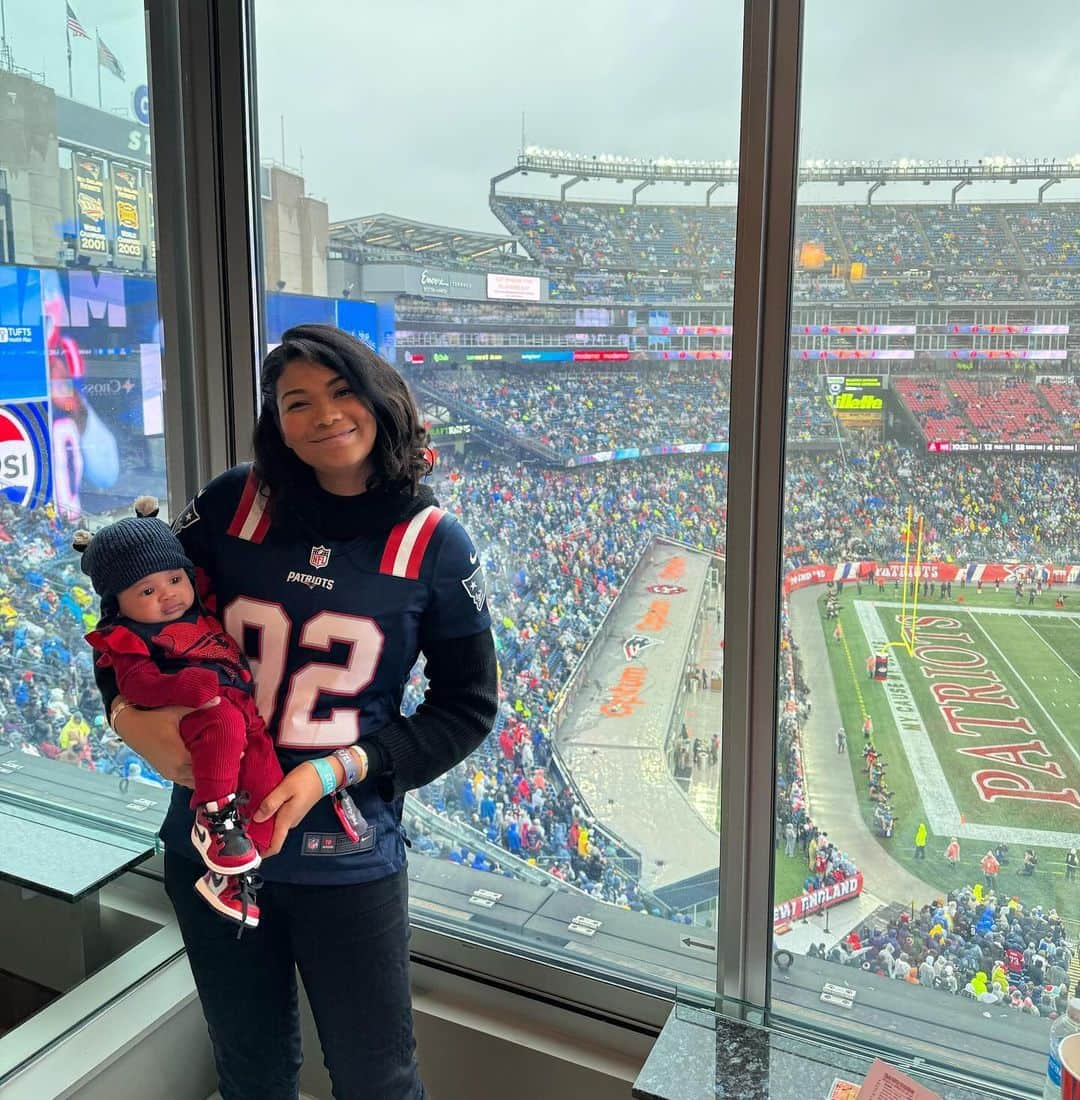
(332, 566)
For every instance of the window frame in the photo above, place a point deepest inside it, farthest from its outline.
(206, 195)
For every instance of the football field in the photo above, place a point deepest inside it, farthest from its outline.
(978, 727)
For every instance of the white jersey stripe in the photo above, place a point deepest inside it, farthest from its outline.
(254, 516)
(408, 541)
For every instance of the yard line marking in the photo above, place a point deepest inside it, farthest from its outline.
(1038, 701)
(1052, 650)
(955, 608)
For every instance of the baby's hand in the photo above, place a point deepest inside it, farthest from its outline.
(210, 703)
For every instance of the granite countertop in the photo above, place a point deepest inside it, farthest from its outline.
(700, 1055)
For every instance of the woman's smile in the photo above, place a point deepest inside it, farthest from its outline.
(340, 436)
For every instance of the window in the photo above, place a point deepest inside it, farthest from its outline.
(929, 645)
(555, 283)
(81, 436)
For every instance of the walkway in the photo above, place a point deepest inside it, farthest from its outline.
(613, 738)
(703, 714)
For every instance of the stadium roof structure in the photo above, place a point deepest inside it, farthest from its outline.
(581, 168)
(390, 233)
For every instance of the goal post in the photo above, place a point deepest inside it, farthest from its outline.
(910, 579)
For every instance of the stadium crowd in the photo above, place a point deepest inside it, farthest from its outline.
(924, 252)
(578, 413)
(556, 546)
(974, 944)
(991, 508)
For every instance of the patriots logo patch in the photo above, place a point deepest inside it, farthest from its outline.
(474, 585)
(186, 518)
(634, 645)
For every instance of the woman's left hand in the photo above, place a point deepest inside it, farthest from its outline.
(291, 800)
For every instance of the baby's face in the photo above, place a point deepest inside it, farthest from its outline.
(157, 598)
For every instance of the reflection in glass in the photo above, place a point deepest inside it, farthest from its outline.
(928, 811)
(564, 321)
(81, 436)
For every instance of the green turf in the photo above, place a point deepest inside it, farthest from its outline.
(790, 874)
(1024, 643)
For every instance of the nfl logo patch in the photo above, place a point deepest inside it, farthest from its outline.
(320, 555)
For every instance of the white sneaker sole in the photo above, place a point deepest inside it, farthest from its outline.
(202, 847)
(217, 904)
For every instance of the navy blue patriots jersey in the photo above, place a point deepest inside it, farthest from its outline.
(331, 629)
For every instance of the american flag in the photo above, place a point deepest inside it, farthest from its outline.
(107, 58)
(74, 25)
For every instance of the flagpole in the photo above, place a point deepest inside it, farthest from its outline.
(97, 35)
(71, 87)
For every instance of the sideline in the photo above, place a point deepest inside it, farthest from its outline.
(835, 805)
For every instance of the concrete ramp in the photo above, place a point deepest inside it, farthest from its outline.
(616, 720)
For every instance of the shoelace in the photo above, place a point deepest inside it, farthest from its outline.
(220, 821)
(240, 805)
(246, 887)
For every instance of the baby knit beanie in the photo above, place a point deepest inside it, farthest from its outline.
(118, 555)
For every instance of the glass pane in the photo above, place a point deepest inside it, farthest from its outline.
(928, 813)
(81, 436)
(548, 262)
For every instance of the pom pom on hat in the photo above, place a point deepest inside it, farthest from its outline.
(81, 540)
(146, 507)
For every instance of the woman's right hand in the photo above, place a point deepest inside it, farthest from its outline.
(155, 736)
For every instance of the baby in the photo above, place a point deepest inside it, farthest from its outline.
(167, 651)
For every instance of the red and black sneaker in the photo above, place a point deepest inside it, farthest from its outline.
(219, 837)
(233, 896)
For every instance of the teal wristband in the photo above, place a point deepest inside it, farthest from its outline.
(326, 774)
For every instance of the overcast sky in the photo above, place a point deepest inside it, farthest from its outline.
(409, 107)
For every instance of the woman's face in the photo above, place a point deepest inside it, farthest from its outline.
(326, 425)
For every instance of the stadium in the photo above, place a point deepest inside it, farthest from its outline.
(575, 374)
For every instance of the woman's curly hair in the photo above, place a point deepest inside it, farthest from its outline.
(400, 457)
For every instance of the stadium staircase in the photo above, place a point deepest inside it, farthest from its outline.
(845, 254)
(923, 235)
(1011, 237)
(493, 427)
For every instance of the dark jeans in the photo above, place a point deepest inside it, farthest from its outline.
(351, 946)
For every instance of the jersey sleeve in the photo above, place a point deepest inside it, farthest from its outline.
(458, 605)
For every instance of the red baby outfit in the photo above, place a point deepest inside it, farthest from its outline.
(187, 663)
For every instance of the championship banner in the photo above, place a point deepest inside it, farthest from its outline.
(818, 900)
(125, 182)
(89, 175)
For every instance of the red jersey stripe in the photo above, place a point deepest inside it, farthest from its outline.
(416, 558)
(392, 543)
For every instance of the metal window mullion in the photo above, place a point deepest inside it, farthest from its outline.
(206, 270)
(187, 428)
(241, 226)
(768, 149)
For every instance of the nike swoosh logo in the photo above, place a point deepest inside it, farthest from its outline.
(472, 558)
(200, 833)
